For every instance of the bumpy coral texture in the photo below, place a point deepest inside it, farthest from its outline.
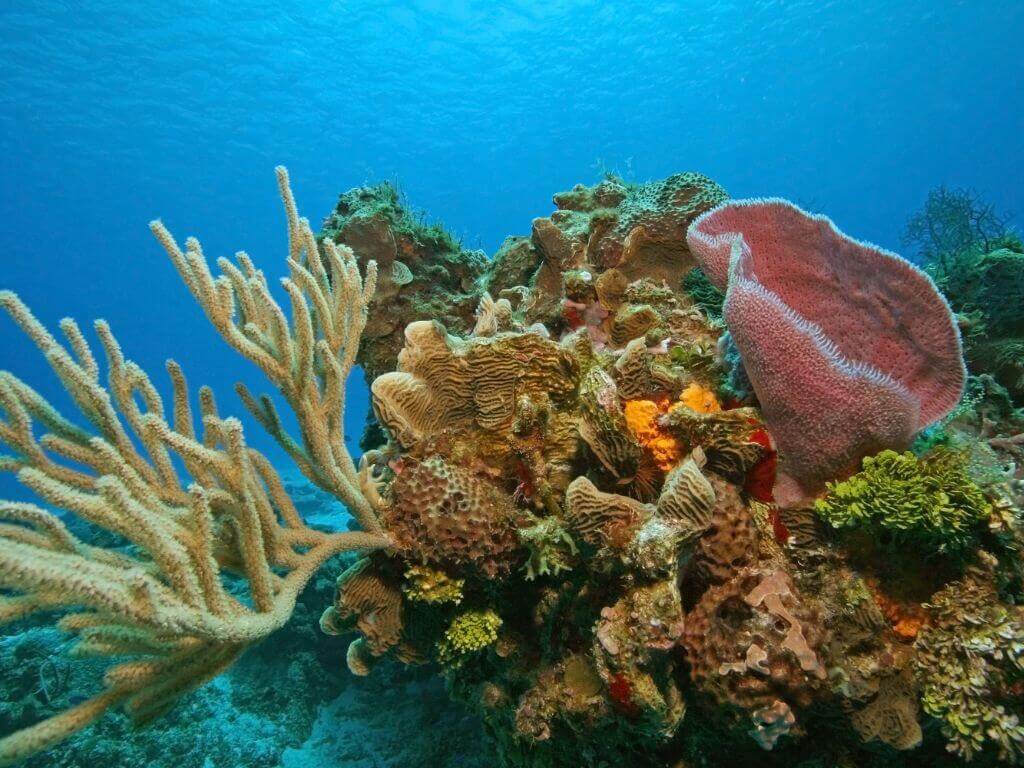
(754, 641)
(424, 272)
(468, 633)
(879, 351)
(970, 665)
(446, 514)
(731, 540)
(648, 239)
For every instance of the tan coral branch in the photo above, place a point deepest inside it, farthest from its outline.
(161, 608)
(309, 358)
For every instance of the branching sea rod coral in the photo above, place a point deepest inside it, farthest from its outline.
(568, 501)
(310, 359)
(160, 607)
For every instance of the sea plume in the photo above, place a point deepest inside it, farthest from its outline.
(193, 501)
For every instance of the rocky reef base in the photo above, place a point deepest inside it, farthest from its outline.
(288, 703)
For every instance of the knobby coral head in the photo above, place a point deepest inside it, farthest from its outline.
(850, 348)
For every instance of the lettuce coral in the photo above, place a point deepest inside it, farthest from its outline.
(929, 502)
(971, 664)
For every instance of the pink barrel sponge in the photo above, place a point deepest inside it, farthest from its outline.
(850, 348)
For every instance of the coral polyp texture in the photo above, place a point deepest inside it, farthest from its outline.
(628, 524)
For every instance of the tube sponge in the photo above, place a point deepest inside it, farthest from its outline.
(851, 349)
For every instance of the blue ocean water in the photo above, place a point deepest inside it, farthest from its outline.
(113, 113)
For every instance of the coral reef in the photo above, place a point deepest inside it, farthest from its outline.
(985, 288)
(423, 272)
(286, 702)
(569, 507)
(978, 263)
(159, 606)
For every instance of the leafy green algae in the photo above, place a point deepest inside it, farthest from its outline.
(928, 502)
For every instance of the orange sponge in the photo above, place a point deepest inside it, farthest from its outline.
(701, 399)
(642, 420)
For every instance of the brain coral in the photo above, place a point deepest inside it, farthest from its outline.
(879, 351)
(441, 513)
(443, 381)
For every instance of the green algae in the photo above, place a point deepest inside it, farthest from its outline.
(968, 662)
(929, 503)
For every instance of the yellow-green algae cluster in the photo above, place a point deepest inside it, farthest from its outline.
(928, 502)
(468, 633)
(970, 661)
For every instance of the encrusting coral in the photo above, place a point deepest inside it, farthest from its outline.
(423, 272)
(569, 499)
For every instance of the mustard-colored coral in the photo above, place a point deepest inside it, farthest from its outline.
(970, 663)
(432, 585)
(469, 633)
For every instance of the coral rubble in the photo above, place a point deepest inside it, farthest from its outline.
(570, 501)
